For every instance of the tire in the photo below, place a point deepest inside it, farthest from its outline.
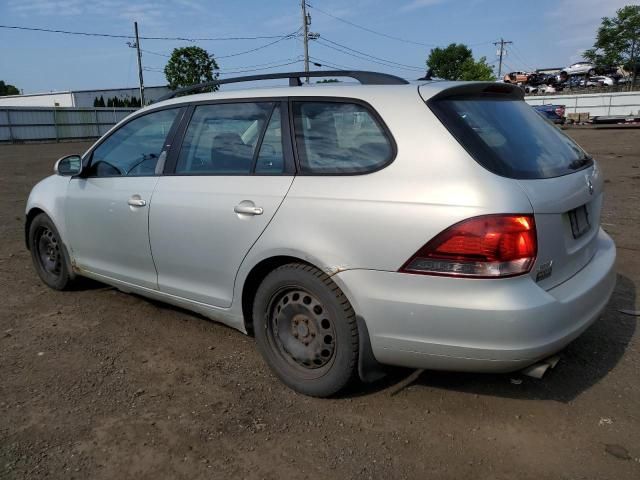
(306, 330)
(48, 253)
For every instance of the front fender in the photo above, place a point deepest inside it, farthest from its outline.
(48, 196)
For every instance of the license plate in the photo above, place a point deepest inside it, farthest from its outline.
(579, 218)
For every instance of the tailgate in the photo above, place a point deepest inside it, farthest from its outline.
(567, 213)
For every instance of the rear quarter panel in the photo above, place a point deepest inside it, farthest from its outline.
(378, 220)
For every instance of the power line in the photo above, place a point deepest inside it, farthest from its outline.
(286, 37)
(244, 68)
(229, 72)
(516, 52)
(370, 30)
(369, 60)
(267, 64)
(366, 56)
(236, 54)
(372, 56)
(330, 64)
(155, 53)
(382, 34)
(111, 35)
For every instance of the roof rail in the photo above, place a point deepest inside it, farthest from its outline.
(364, 77)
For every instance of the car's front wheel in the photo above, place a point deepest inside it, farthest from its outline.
(306, 330)
(47, 253)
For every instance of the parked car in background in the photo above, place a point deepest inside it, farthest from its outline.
(589, 82)
(536, 79)
(603, 80)
(443, 226)
(547, 89)
(554, 113)
(574, 82)
(581, 68)
(516, 77)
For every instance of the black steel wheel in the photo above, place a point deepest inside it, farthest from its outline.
(300, 330)
(48, 250)
(48, 253)
(306, 330)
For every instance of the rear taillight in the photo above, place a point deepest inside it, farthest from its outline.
(560, 111)
(489, 246)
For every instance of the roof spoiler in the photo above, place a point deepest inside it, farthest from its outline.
(503, 90)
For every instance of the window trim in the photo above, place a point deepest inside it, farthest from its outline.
(87, 158)
(362, 103)
(289, 163)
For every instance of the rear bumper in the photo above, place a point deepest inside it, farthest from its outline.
(423, 321)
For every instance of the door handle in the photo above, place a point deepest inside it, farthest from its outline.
(248, 209)
(136, 201)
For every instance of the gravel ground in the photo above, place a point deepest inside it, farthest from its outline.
(98, 384)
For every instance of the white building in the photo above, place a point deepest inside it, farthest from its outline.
(80, 98)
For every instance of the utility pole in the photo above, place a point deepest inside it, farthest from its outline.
(634, 64)
(135, 25)
(305, 31)
(502, 51)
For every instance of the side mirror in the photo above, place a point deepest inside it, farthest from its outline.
(68, 166)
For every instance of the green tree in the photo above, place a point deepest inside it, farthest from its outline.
(189, 66)
(456, 62)
(480, 70)
(618, 40)
(8, 89)
(98, 102)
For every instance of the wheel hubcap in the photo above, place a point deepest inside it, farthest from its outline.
(49, 251)
(302, 330)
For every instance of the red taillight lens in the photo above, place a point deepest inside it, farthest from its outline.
(560, 111)
(488, 246)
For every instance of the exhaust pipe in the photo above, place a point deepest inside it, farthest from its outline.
(537, 370)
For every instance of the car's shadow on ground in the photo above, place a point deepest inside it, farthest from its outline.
(582, 364)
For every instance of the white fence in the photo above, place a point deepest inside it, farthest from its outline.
(24, 124)
(596, 104)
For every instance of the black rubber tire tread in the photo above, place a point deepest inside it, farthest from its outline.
(62, 281)
(345, 367)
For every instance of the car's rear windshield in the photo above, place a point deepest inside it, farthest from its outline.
(509, 138)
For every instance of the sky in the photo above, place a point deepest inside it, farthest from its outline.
(545, 33)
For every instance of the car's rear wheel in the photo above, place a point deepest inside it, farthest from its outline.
(48, 254)
(306, 330)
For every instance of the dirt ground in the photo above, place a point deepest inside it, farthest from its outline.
(98, 384)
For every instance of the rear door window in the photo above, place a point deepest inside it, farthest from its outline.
(222, 139)
(509, 138)
(339, 138)
(270, 159)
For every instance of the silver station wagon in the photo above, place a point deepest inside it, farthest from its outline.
(437, 225)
